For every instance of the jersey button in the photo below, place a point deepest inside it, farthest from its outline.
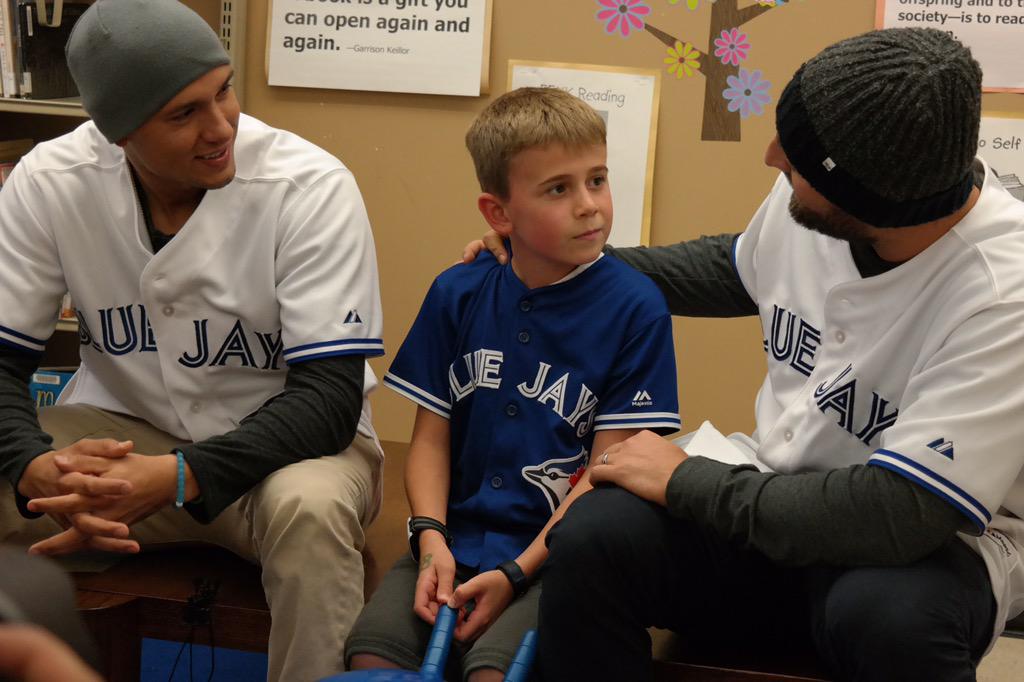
(511, 409)
(497, 482)
(524, 336)
(526, 306)
(168, 310)
(788, 435)
(196, 406)
(840, 337)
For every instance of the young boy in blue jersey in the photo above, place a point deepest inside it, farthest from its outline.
(520, 372)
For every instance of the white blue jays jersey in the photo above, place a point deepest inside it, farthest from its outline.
(919, 370)
(275, 268)
(525, 377)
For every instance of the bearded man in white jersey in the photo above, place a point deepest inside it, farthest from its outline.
(874, 515)
(224, 278)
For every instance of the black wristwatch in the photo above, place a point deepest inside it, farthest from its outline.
(418, 524)
(515, 575)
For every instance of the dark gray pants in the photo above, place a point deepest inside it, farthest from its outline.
(36, 591)
(619, 564)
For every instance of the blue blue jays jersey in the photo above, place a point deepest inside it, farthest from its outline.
(525, 377)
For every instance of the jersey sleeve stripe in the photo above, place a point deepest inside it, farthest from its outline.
(609, 426)
(947, 490)
(417, 395)
(20, 346)
(20, 341)
(637, 415)
(371, 347)
(13, 334)
(323, 344)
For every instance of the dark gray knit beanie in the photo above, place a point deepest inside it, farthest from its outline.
(885, 124)
(130, 57)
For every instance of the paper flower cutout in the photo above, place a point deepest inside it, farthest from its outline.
(732, 46)
(683, 59)
(747, 93)
(622, 16)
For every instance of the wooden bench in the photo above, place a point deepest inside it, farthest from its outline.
(148, 596)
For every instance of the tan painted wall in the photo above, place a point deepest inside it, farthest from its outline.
(407, 153)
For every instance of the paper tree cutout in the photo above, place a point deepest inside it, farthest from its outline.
(732, 90)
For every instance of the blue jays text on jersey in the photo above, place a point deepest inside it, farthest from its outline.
(794, 341)
(525, 377)
(484, 369)
(128, 333)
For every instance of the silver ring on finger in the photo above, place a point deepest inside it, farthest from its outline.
(604, 458)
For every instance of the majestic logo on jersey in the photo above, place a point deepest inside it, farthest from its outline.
(121, 332)
(483, 370)
(792, 340)
(942, 446)
(556, 477)
(353, 317)
(841, 397)
(642, 399)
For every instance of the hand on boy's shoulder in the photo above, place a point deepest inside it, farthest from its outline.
(491, 242)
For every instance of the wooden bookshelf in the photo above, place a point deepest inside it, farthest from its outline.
(70, 325)
(51, 107)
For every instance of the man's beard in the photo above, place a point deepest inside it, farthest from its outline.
(836, 223)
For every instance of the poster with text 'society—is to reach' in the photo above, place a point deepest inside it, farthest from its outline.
(418, 46)
(993, 29)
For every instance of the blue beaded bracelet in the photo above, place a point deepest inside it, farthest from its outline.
(179, 502)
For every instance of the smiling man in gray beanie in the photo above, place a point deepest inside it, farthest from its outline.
(874, 515)
(224, 278)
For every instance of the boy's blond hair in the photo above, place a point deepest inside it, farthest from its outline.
(525, 118)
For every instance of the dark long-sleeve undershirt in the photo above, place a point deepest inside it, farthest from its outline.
(315, 414)
(858, 515)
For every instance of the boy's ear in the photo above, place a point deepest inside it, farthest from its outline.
(492, 208)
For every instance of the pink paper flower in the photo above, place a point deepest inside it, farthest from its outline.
(747, 93)
(622, 15)
(732, 46)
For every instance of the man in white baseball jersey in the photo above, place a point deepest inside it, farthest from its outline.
(225, 283)
(875, 513)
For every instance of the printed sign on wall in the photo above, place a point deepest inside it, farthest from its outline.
(421, 46)
(1001, 144)
(993, 29)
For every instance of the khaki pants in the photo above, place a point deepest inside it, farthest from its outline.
(303, 524)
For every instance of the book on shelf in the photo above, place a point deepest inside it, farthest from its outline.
(33, 35)
(8, 83)
(67, 309)
(47, 384)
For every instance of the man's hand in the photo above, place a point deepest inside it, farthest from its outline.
(31, 654)
(642, 464)
(491, 241)
(43, 478)
(153, 480)
(492, 592)
(436, 580)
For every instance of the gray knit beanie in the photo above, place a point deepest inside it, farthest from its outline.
(130, 57)
(885, 125)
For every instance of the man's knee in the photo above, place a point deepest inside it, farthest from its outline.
(611, 527)
(307, 504)
(872, 627)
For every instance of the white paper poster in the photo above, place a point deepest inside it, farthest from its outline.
(1001, 144)
(993, 29)
(627, 99)
(418, 46)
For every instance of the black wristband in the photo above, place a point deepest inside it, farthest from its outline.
(418, 524)
(515, 575)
